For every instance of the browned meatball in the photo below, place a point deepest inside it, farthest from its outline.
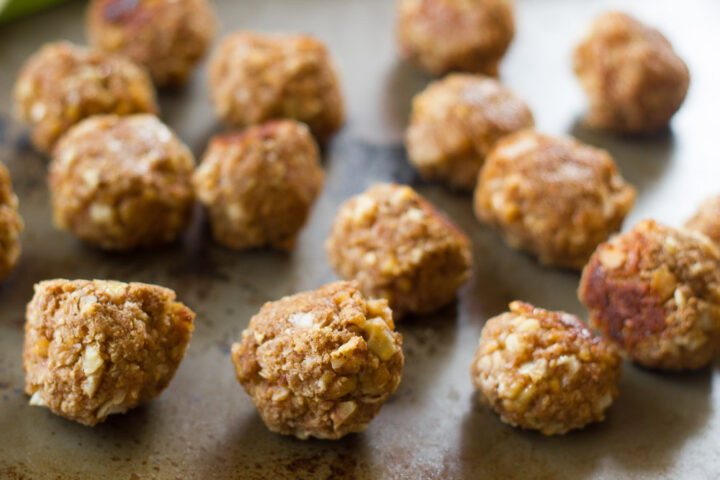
(121, 183)
(544, 370)
(256, 77)
(634, 80)
(94, 348)
(63, 83)
(552, 196)
(455, 122)
(320, 363)
(399, 247)
(260, 184)
(707, 219)
(655, 292)
(10, 224)
(446, 35)
(168, 37)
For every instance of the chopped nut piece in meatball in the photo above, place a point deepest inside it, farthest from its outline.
(544, 370)
(399, 247)
(94, 348)
(707, 219)
(552, 196)
(121, 183)
(320, 363)
(655, 292)
(10, 224)
(260, 184)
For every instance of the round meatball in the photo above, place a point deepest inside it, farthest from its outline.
(120, 183)
(320, 363)
(446, 35)
(634, 80)
(63, 83)
(257, 77)
(552, 196)
(94, 348)
(10, 224)
(399, 247)
(456, 121)
(168, 37)
(544, 370)
(260, 184)
(707, 219)
(655, 292)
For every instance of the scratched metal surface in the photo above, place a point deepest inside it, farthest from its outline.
(204, 426)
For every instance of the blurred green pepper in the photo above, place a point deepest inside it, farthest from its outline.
(14, 9)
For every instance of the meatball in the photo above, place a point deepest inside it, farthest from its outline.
(257, 77)
(320, 363)
(400, 248)
(446, 35)
(707, 219)
(634, 80)
(552, 196)
(94, 348)
(168, 37)
(120, 183)
(63, 83)
(260, 184)
(655, 292)
(544, 370)
(456, 121)
(10, 224)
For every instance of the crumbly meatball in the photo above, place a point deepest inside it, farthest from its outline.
(655, 292)
(456, 121)
(707, 219)
(168, 37)
(120, 183)
(446, 35)
(63, 83)
(260, 184)
(400, 248)
(94, 348)
(634, 80)
(544, 370)
(552, 196)
(10, 224)
(257, 77)
(320, 363)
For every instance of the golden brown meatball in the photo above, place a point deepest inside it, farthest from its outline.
(256, 77)
(168, 37)
(552, 196)
(544, 370)
(450, 35)
(399, 247)
(655, 292)
(10, 224)
(121, 183)
(634, 80)
(455, 122)
(94, 348)
(320, 363)
(707, 219)
(260, 184)
(63, 83)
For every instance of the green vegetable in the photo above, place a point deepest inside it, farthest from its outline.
(14, 9)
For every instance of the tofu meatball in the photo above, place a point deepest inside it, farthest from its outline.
(707, 219)
(320, 363)
(63, 83)
(454, 123)
(10, 225)
(399, 247)
(260, 184)
(544, 371)
(552, 196)
(633, 78)
(94, 348)
(121, 183)
(655, 292)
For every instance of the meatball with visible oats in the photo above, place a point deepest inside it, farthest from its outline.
(63, 83)
(10, 224)
(260, 184)
(399, 247)
(320, 363)
(94, 348)
(120, 183)
(552, 196)
(655, 292)
(455, 122)
(707, 219)
(545, 371)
